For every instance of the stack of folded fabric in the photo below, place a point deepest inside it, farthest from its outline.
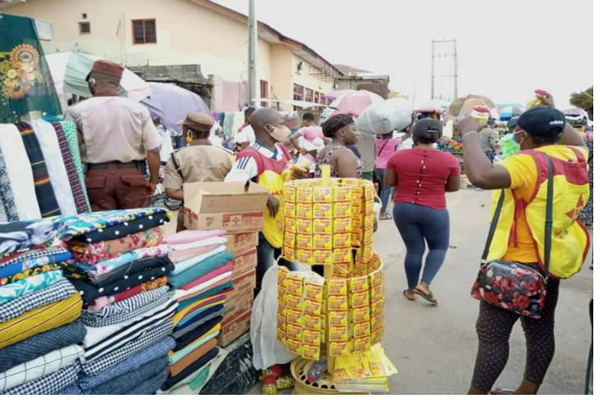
(200, 283)
(40, 330)
(120, 267)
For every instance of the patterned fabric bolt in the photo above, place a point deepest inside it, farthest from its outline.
(28, 285)
(70, 130)
(49, 384)
(31, 272)
(52, 294)
(6, 193)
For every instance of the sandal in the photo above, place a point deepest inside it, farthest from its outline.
(502, 391)
(427, 296)
(386, 217)
(405, 293)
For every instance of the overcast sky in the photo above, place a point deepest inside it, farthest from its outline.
(504, 52)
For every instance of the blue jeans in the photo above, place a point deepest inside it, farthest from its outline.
(386, 191)
(417, 225)
(267, 255)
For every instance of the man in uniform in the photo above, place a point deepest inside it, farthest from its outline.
(116, 135)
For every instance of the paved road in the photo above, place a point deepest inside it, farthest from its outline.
(434, 347)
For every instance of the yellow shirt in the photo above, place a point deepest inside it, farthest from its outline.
(523, 177)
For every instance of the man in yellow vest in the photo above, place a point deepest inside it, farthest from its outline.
(540, 132)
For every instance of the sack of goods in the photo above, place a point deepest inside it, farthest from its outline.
(385, 117)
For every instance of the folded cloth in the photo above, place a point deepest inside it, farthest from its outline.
(195, 366)
(146, 339)
(195, 382)
(187, 264)
(217, 240)
(40, 320)
(41, 366)
(204, 294)
(122, 384)
(52, 294)
(37, 257)
(49, 384)
(125, 307)
(203, 283)
(200, 269)
(24, 235)
(100, 302)
(38, 345)
(29, 285)
(200, 319)
(31, 272)
(72, 390)
(22, 266)
(198, 306)
(175, 357)
(134, 307)
(180, 256)
(192, 236)
(188, 360)
(106, 225)
(91, 292)
(150, 386)
(100, 267)
(127, 269)
(100, 341)
(150, 353)
(110, 248)
(191, 337)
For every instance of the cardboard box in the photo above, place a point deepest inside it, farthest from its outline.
(237, 307)
(242, 243)
(242, 284)
(234, 329)
(231, 206)
(244, 263)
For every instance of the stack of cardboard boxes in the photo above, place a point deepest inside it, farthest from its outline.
(237, 209)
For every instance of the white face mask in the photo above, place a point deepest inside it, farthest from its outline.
(280, 134)
(515, 137)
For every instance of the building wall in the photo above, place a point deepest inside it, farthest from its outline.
(306, 77)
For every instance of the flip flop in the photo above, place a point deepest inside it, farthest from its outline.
(405, 293)
(386, 217)
(502, 391)
(428, 297)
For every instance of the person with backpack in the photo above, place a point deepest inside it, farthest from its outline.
(535, 239)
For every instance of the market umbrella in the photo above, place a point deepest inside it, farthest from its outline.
(335, 94)
(465, 105)
(506, 113)
(352, 103)
(172, 104)
(430, 106)
(70, 69)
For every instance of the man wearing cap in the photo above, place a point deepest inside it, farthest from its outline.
(116, 136)
(488, 140)
(544, 236)
(198, 162)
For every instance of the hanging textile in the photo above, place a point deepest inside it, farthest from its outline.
(43, 187)
(6, 195)
(70, 130)
(46, 136)
(20, 175)
(25, 81)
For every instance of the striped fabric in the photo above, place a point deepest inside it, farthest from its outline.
(49, 384)
(70, 132)
(43, 187)
(74, 179)
(6, 193)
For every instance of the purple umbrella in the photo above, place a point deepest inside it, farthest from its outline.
(172, 103)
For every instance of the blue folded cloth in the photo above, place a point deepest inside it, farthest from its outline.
(200, 269)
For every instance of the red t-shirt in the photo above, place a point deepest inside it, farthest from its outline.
(422, 176)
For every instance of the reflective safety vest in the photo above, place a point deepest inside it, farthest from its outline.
(570, 240)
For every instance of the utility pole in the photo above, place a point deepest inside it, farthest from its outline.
(454, 67)
(252, 40)
(455, 72)
(432, 68)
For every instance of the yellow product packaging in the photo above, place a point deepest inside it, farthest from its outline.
(342, 270)
(323, 210)
(361, 344)
(369, 207)
(361, 268)
(311, 337)
(312, 322)
(295, 317)
(304, 241)
(304, 194)
(323, 194)
(323, 226)
(281, 298)
(312, 307)
(294, 283)
(359, 284)
(362, 329)
(360, 314)
(342, 255)
(305, 256)
(304, 226)
(377, 323)
(322, 242)
(358, 224)
(289, 253)
(342, 194)
(377, 292)
(356, 239)
(359, 299)
(342, 210)
(322, 257)
(281, 319)
(358, 194)
(338, 334)
(342, 225)
(365, 253)
(289, 194)
(289, 239)
(313, 288)
(281, 335)
(338, 318)
(357, 212)
(377, 308)
(337, 303)
(294, 331)
(304, 210)
(289, 225)
(369, 192)
(282, 274)
(375, 278)
(339, 349)
(377, 336)
(289, 210)
(369, 225)
(341, 240)
(294, 301)
(311, 352)
(336, 287)
(294, 346)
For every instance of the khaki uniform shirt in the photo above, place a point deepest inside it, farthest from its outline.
(113, 128)
(200, 163)
(488, 140)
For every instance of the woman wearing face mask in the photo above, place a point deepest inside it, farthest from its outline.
(344, 163)
(546, 140)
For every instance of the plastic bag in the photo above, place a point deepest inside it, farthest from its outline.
(385, 117)
(267, 351)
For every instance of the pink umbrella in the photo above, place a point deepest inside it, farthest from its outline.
(334, 95)
(351, 103)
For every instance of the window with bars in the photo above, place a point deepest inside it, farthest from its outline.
(144, 31)
(84, 28)
(298, 92)
(309, 95)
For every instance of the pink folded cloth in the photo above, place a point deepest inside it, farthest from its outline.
(226, 277)
(225, 268)
(192, 236)
(182, 255)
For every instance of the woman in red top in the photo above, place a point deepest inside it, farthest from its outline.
(422, 176)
